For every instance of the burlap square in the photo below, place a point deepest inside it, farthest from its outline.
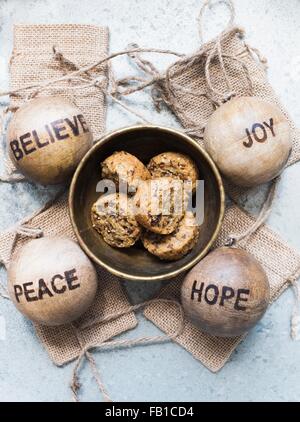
(192, 91)
(33, 61)
(189, 95)
(61, 342)
(280, 262)
(194, 110)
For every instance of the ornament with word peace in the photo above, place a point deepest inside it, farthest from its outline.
(51, 281)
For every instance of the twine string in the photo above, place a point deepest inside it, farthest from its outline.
(216, 50)
(75, 384)
(100, 83)
(84, 69)
(115, 344)
(157, 78)
(23, 229)
(33, 232)
(295, 318)
(256, 53)
(210, 4)
(236, 239)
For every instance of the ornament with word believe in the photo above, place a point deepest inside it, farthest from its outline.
(51, 281)
(47, 137)
(249, 139)
(226, 293)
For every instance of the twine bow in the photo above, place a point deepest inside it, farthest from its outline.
(114, 344)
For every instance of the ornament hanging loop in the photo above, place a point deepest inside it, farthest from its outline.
(210, 4)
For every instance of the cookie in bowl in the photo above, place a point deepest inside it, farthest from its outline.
(175, 245)
(112, 216)
(176, 165)
(160, 204)
(135, 262)
(122, 167)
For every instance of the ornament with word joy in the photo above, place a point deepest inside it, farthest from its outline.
(249, 139)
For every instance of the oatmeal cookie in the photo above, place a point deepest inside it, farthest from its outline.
(112, 216)
(176, 165)
(176, 245)
(159, 204)
(126, 168)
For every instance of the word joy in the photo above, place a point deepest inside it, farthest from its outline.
(213, 295)
(259, 133)
(57, 285)
(59, 130)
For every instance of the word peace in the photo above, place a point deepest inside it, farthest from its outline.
(58, 284)
(259, 133)
(213, 295)
(58, 130)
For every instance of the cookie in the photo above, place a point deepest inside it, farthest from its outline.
(159, 204)
(112, 216)
(125, 168)
(176, 165)
(176, 245)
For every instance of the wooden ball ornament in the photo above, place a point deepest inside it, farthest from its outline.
(47, 137)
(227, 293)
(249, 139)
(51, 281)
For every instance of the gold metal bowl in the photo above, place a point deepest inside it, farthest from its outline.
(136, 263)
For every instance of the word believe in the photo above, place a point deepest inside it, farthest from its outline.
(58, 130)
(259, 133)
(58, 285)
(213, 295)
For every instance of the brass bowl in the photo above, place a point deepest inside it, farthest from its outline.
(136, 263)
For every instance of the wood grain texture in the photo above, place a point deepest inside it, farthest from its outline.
(51, 281)
(227, 293)
(46, 139)
(249, 139)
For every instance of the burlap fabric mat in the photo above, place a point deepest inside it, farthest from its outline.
(222, 68)
(246, 74)
(62, 342)
(193, 88)
(280, 262)
(33, 61)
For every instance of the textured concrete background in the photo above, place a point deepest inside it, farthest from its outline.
(266, 364)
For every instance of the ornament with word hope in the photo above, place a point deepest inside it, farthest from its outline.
(227, 293)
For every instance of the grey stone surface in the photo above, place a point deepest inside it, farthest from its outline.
(266, 365)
